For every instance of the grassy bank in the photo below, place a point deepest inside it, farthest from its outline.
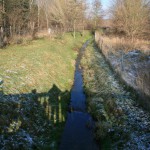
(98, 89)
(36, 90)
(113, 108)
(39, 65)
(130, 60)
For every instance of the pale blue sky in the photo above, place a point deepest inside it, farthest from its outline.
(106, 3)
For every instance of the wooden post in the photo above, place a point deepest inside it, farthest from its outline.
(10, 31)
(1, 37)
(1, 87)
(122, 61)
(74, 29)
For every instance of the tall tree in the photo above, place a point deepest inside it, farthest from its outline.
(130, 17)
(16, 14)
(66, 13)
(96, 13)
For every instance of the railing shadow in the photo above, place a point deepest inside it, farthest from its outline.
(32, 119)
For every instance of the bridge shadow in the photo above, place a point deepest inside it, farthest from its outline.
(32, 120)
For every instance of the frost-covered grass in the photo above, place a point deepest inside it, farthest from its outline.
(131, 61)
(120, 122)
(36, 91)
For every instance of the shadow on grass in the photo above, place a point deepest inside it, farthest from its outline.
(33, 120)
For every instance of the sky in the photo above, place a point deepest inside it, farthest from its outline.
(105, 3)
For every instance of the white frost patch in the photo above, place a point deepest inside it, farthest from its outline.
(11, 71)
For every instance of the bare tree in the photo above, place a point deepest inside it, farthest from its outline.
(130, 17)
(20, 16)
(66, 14)
(75, 14)
(97, 13)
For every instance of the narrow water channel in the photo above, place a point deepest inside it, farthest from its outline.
(78, 133)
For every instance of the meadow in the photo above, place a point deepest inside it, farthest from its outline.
(39, 65)
(37, 78)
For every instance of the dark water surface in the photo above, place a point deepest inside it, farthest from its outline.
(77, 133)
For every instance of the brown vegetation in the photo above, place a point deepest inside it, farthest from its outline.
(131, 17)
(27, 17)
(130, 60)
(116, 43)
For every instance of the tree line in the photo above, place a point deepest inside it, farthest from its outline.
(131, 18)
(19, 17)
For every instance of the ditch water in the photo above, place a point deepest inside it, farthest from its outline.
(78, 133)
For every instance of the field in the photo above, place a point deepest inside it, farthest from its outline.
(39, 65)
(37, 79)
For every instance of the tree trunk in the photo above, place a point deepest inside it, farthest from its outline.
(74, 29)
(1, 37)
(47, 23)
(38, 15)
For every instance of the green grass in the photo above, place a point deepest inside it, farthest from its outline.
(39, 77)
(39, 65)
